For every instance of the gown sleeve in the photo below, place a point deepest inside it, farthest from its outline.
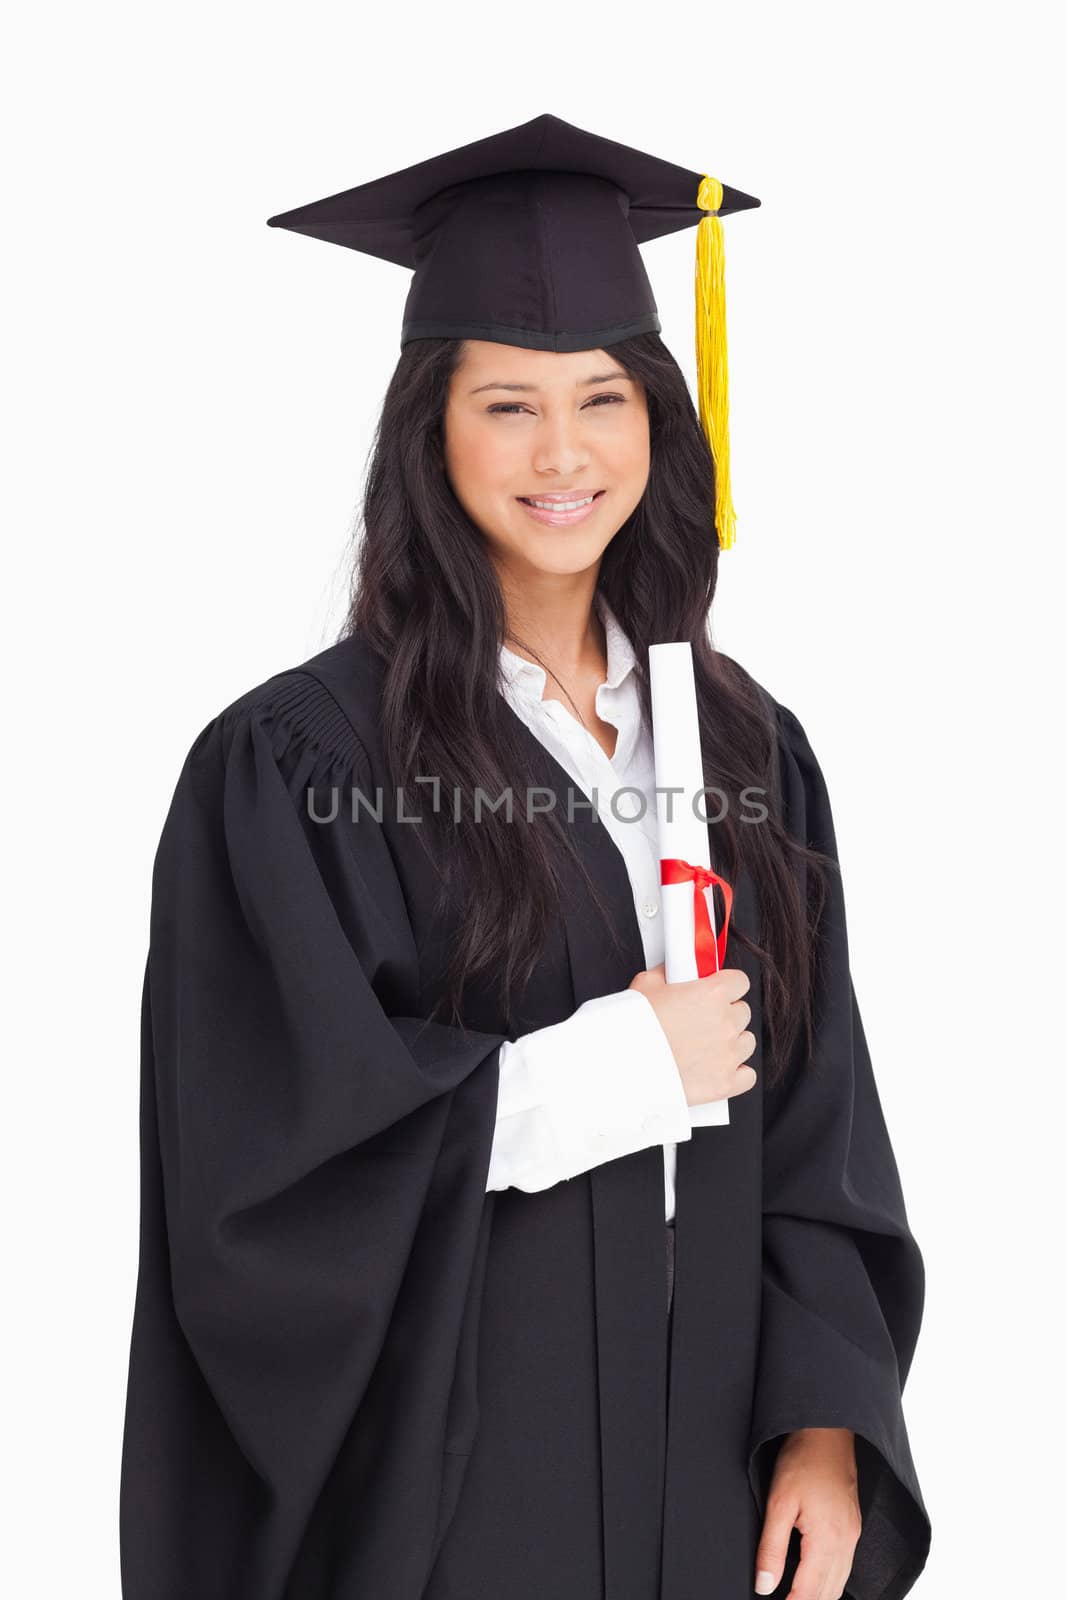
(843, 1278)
(313, 1165)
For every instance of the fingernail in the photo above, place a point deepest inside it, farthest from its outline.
(766, 1583)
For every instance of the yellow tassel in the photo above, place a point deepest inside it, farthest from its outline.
(712, 384)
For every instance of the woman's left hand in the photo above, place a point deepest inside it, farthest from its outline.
(814, 1488)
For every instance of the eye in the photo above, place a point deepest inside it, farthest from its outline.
(511, 407)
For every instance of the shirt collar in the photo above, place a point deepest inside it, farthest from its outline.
(528, 679)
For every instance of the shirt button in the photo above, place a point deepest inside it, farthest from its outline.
(653, 1124)
(651, 908)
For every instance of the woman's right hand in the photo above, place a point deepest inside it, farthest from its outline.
(706, 1023)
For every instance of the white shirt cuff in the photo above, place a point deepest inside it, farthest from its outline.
(599, 1085)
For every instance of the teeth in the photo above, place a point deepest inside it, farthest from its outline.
(561, 505)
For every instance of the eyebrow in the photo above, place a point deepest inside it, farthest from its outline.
(599, 377)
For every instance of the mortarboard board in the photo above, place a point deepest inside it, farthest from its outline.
(530, 237)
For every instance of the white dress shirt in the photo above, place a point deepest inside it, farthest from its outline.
(603, 1083)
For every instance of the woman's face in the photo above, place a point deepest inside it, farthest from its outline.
(541, 424)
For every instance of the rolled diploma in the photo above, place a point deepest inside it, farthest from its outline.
(676, 742)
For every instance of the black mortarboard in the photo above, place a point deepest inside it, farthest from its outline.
(530, 237)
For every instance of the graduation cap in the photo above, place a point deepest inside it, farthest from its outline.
(530, 237)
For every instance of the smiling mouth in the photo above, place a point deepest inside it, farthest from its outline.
(563, 503)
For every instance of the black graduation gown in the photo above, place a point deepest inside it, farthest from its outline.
(354, 1375)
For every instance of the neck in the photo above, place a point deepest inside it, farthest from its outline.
(558, 628)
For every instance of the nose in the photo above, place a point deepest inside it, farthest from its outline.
(558, 447)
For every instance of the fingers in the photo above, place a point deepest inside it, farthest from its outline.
(781, 1514)
(822, 1571)
(739, 981)
(744, 1081)
(745, 1043)
(826, 1552)
(816, 1567)
(731, 980)
(745, 1076)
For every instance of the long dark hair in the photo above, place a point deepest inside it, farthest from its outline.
(426, 598)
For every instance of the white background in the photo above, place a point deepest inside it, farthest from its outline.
(189, 401)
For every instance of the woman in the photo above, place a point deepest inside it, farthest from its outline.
(417, 1099)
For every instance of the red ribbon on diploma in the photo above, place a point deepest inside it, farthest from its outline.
(710, 948)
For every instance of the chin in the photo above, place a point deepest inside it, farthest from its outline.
(567, 561)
